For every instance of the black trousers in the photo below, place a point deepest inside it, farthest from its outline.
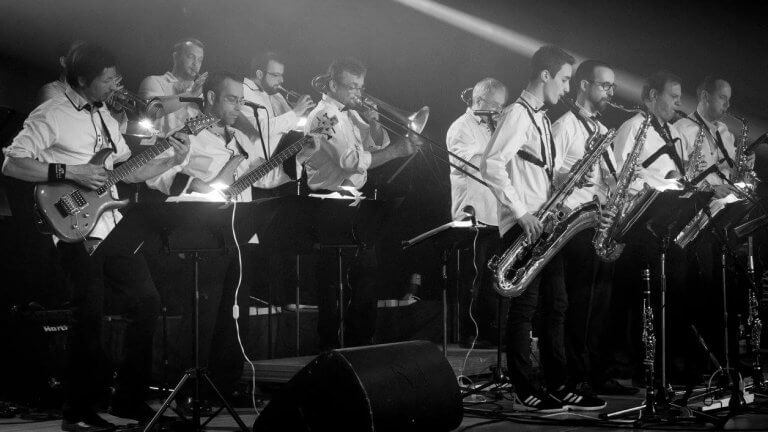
(588, 281)
(480, 292)
(546, 297)
(360, 294)
(126, 277)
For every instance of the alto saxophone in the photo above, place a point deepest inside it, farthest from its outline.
(742, 171)
(514, 270)
(605, 242)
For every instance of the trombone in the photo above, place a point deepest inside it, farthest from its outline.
(292, 97)
(403, 123)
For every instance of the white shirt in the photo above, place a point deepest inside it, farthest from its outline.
(468, 137)
(688, 128)
(520, 186)
(208, 153)
(344, 158)
(52, 90)
(61, 130)
(656, 173)
(570, 136)
(163, 85)
(277, 126)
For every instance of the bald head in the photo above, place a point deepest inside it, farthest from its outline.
(489, 94)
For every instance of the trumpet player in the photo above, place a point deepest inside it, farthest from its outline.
(183, 81)
(277, 118)
(519, 164)
(587, 278)
(718, 150)
(468, 137)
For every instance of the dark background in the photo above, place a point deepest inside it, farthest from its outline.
(413, 59)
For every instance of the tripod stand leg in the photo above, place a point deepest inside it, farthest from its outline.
(168, 400)
(231, 410)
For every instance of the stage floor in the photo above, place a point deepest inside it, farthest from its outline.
(752, 420)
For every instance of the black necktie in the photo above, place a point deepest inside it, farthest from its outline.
(721, 146)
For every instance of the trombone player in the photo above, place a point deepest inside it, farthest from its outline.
(338, 163)
(468, 137)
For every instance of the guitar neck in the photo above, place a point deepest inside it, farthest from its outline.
(262, 170)
(136, 162)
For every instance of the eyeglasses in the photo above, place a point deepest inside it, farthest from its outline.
(606, 86)
(234, 100)
(114, 80)
(494, 106)
(275, 75)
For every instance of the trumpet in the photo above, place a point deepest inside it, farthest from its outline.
(292, 97)
(122, 100)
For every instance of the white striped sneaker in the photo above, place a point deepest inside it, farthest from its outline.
(576, 401)
(536, 402)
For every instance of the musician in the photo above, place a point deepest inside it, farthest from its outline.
(183, 81)
(217, 156)
(587, 278)
(519, 164)
(660, 165)
(277, 117)
(714, 95)
(57, 142)
(468, 137)
(717, 152)
(662, 156)
(56, 88)
(340, 163)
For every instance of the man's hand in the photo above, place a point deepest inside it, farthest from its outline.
(227, 173)
(593, 175)
(606, 218)
(531, 226)
(371, 116)
(199, 186)
(197, 85)
(180, 144)
(88, 175)
(304, 104)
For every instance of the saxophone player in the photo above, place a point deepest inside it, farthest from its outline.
(718, 149)
(468, 137)
(587, 278)
(519, 165)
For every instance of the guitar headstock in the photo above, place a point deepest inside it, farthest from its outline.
(324, 126)
(196, 124)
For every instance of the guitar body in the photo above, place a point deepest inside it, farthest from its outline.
(70, 211)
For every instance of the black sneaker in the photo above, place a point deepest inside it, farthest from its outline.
(536, 402)
(573, 400)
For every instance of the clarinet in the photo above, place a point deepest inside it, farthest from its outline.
(753, 321)
(649, 342)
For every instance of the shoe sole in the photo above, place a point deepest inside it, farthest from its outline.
(583, 408)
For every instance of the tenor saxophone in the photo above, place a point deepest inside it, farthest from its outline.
(699, 222)
(604, 241)
(514, 270)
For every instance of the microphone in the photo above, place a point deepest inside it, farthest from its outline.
(196, 100)
(254, 105)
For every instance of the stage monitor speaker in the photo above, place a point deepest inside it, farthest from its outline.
(407, 386)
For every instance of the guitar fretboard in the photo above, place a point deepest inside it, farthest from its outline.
(252, 177)
(136, 162)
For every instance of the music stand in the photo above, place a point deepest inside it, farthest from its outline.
(305, 224)
(195, 230)
(660, 214)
